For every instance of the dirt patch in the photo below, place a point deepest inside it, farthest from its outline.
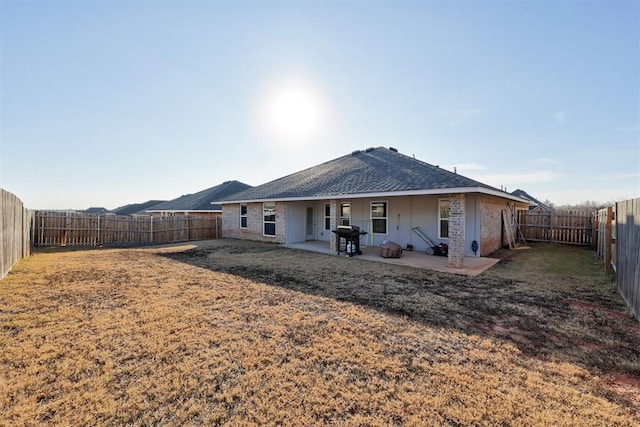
(628, 386)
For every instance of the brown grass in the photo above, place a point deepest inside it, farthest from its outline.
(239, 333)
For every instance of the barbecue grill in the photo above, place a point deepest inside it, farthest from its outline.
(351, 235)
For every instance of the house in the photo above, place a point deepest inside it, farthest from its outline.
(534, 204)
(384, 193)
(198, 204)
(136, 209)
(96, 210)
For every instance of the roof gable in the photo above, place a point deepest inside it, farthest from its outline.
(528, 197)
(375, 170)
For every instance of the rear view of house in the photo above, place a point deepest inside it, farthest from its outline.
(384, 193)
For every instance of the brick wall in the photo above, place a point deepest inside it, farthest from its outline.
(456, 231)
(491, 224)
(333, 224)
(254, 231)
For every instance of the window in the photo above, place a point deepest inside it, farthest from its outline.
(269, 212)
(345, 214)
(327, 216)
(443, 218)
(379, 217)
(243, 216)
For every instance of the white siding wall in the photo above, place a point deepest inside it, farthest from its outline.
(402, 212)
(472, 224)
(424, 214)
(296, 222)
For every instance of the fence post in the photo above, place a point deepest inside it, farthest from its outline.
(594, 232)
(607, 240)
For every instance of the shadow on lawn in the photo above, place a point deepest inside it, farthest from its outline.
(578, 326)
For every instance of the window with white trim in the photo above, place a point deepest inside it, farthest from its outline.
(243, 216)
(269, 218)
(379, 217)
(443, 218)
(345, 214)
(327, 216)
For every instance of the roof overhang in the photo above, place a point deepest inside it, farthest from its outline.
(428, 192)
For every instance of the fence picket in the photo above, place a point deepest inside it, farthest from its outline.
(82, 229)
(15, 222)
(627, 252)
(570, 227)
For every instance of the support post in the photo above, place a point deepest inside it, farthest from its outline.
(333, 225)
(456, 231)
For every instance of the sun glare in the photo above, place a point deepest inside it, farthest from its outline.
(294, 113)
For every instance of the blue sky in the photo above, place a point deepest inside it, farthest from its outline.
(109, 103)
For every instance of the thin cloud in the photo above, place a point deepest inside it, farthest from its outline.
(544, 161)
(618, 176)
(627, 129)
(560, 116)
(461, 167)
(535, 177)
(458, 116)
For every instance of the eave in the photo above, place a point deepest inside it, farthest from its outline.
(426, 192)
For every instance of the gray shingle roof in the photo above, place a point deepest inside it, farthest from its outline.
(136, 208)
(96, 210)
(526, 196)
(374, 170)
(201, 201)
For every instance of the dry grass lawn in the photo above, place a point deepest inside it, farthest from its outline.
(228, 332)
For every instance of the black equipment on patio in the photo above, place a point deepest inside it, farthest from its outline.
(441, 249)
(351, 235)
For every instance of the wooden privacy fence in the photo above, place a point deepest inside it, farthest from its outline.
(574, 227)
(15, 222)
(53, 228)
(604, 241)
(627, 258)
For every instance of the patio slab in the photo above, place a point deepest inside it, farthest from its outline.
(472, 266)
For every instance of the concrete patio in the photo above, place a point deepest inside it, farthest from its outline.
(473, 266)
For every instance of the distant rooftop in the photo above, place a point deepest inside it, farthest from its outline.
(136, 208)
(201, 201)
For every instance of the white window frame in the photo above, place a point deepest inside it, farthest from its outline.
(385, 218)
(244, 216)
(347, 217)
(441, 218)
(269, 205)
(327, 216)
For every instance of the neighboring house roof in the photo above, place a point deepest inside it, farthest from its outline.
(95, 210)
(528, 197)
(136, 208)
(201, 201)
(372, 172)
